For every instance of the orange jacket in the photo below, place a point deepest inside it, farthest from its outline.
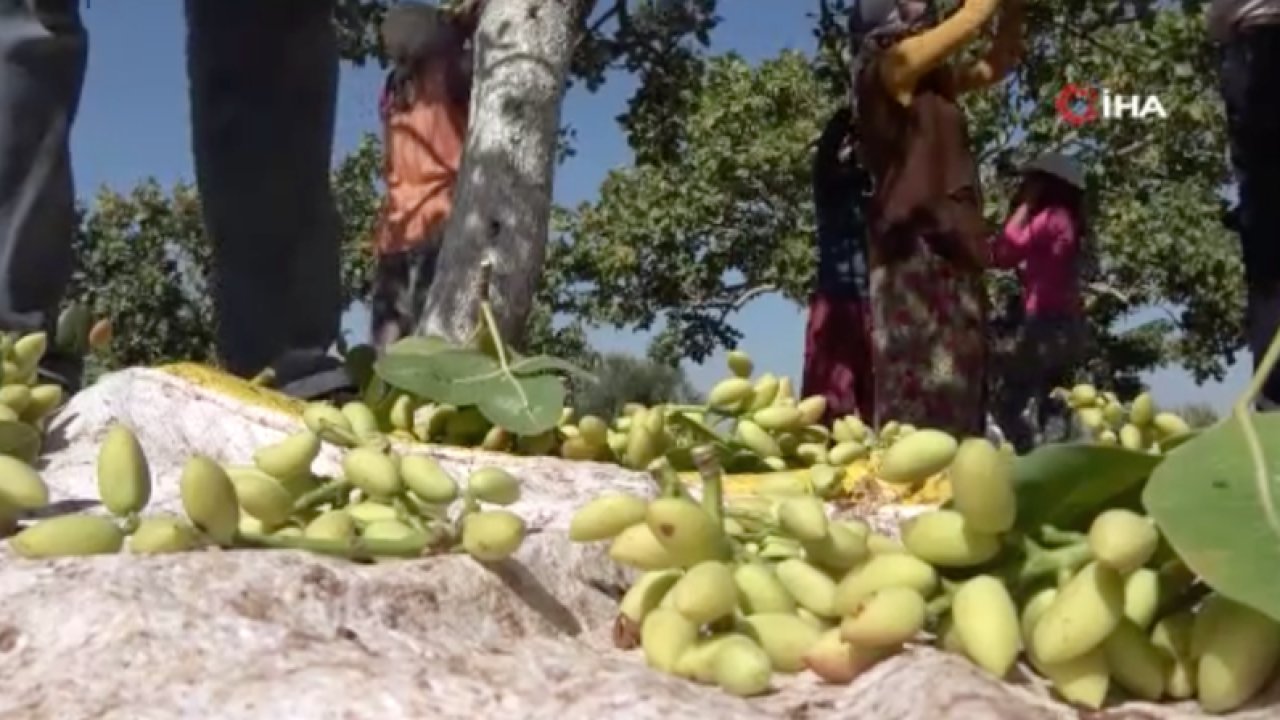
(422, 152)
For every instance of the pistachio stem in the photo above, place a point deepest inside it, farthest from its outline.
(337, 435)
(938, 607)
(1241, 413)
(490, 324)
(469, 502)
(1053, 536)
(708, 465)
(666, 478)
(129, 524)
(265, 378)
(1041, 563)
(1063, 577)
(356, 549)
(328, 491)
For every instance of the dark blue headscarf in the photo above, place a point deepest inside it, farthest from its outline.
(877, 24)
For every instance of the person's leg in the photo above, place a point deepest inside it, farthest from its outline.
(263, 79)
(1249, 68)
(817, 373)
(43, 53)
(1018, 383)
(390, 283)
(838, 356)
(422, 272)
(1065, 345)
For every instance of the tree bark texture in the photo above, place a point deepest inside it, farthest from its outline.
(502, 203)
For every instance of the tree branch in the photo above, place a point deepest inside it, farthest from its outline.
(1086, 33)
(614, 11)
(1109, 23)
(1134, 147)
(738, 297)
(750, 294)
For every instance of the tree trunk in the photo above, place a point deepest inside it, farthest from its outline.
(502, 203)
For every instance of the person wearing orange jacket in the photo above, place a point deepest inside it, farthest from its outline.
(424, 108)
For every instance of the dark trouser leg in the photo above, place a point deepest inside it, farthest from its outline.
(43, 53)
(390, 280)
(1251, 64)
(264, 78)
(1044, 355)
(1018, 384)
(400, 285)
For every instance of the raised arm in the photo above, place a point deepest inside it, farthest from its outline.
(911, 59)
(1048, 229)
(1009, 247)
(1006, 51)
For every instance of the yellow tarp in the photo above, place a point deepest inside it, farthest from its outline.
(235, 387)
(859, 480)
(859, 483)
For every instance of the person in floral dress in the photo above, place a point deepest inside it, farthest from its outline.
(928, 237)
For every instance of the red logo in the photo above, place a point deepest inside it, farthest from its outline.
(1077, 104)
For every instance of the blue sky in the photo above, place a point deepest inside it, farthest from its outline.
(134, 123)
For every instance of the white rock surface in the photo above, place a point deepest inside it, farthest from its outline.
(275, 635)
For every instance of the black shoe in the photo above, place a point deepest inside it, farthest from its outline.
(65, 371)
(312, 376)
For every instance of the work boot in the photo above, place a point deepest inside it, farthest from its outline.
(313, 376)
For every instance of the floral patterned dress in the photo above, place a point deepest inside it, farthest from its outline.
(928, 248)
(929, 344)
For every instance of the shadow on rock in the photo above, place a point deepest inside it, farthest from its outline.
(534, 593)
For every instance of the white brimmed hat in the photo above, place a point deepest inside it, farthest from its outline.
(1060, 166)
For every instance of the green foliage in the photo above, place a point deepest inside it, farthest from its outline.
(149, 228)
(1198, 415)
(524, 395)
(1205, 498)
(142, 260)
(357, 188)
(357, 24)
(691, 239)
(1066, 485)
(734, 199)
(716, 211)
(623, 379)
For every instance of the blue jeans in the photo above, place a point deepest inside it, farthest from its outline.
(263, 91)
(1250, 68)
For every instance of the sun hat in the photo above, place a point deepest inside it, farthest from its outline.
(1060, 166)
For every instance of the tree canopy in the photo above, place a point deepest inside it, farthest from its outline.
(715, 210)
(722, 214)
(622, 379)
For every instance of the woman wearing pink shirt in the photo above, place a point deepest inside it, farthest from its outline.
(1043, 242)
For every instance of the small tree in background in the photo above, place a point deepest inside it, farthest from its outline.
(625, 379)
(1198, 415)
(142, 260)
